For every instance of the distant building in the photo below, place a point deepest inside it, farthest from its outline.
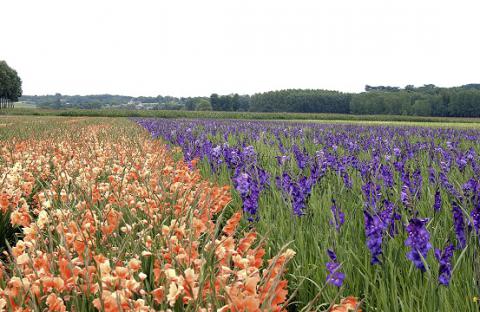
(134, 102)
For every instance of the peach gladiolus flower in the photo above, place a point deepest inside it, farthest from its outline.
(348, 304)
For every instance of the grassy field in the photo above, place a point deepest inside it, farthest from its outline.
(235, 115)
(25, 105)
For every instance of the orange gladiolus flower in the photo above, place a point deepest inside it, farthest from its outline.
(232, 223)
(348, 304)
(55, 304)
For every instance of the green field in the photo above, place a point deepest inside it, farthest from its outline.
(371, 119)
(25, 105)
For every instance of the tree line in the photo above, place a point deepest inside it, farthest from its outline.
(427, 100)
(58, 101)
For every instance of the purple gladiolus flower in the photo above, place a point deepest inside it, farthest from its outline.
(338, 216)
(372, 193)
(448, 186)
(334, 276)
(374, 228)
(301, 157)
(472, 189)
(461, 162)
(249, 182)
(389, 216)
(242, 184)
(397, 152)
(419, 242)
(297, 192)
(416, 186)
(405, 196)
(445, 270)
(387, 176)
(346, 180)
(432, 175)
(475, 215)
(459, 225)
(282, 160)
(437, 205)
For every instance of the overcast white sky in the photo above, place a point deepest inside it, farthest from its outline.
(188, 48)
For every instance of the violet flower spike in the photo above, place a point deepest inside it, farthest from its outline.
(338, 216)
(374, 229)
(334, 276)
(419, 242)
(445, 270)
(437, 205)
(459, 225)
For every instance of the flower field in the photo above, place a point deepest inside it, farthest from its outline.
(95, 215)
(113, 214)
(388, 214)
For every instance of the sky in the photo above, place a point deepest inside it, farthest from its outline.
(195, 48)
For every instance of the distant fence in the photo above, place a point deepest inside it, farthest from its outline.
(6, 103)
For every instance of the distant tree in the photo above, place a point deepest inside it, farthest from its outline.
(10, 85)
(226, 103)
(190, 104)
(475, 86)
(409, 87)
(429, 89)
(204, 105)
(465, 103)
(297, 100)
(369, 88)
(172, 105)
(235, 102)
(422, 107)
(439, 103)
(57, 102)
(394, 101)
(215, 102)
(244, 103)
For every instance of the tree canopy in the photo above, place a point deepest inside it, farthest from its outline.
(297, 100)
(10, 83)
(427, 100)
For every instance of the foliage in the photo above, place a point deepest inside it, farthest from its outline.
(10, 83)
(305, 101)
(233, 102)
(102, 101)
(428, 100)
(203, 105)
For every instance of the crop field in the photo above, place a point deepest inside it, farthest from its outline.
(149, 214)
